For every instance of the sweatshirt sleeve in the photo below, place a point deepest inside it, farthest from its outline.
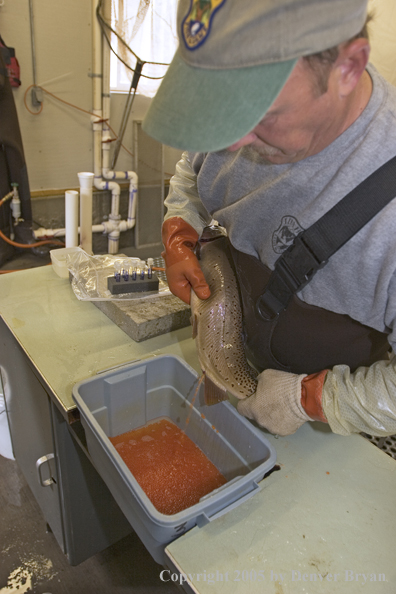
(363, 401)
(183, 199)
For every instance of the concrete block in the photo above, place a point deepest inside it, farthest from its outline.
(146, 318)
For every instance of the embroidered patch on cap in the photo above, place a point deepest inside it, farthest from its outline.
(196, 25)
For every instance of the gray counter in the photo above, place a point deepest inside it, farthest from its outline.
(69, 340)
(324, 522)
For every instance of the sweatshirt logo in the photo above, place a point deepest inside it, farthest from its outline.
(197, 23)
(284, 235)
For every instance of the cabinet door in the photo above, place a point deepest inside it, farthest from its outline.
(75, 501)
(92, 519)
(29, 416)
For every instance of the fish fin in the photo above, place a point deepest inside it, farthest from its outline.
(213, 394)
(194, 324)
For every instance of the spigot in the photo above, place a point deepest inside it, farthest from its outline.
(15, 203)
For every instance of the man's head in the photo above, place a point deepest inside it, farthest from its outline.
(234, 59)
(322, 62)
(322, 97)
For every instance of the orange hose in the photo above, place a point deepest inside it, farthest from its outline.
(30, 245)
(20, 269)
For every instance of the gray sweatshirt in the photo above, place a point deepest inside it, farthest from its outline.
(263, 207)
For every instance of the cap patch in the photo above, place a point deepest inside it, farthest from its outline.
(195, 27)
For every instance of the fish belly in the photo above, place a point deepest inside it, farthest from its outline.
(218, 324)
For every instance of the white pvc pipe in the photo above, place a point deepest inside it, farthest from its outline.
(133, 188)
(101, 134)
(86, 183)
(61, 231)
(71, 218)
(113, 241)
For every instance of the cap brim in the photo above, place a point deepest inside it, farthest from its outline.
(205, 110)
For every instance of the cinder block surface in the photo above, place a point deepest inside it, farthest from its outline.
(146, 318)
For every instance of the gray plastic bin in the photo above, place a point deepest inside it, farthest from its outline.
(123, 399)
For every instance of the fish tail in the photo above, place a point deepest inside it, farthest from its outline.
(212, 393)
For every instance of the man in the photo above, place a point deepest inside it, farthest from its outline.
(296, 128)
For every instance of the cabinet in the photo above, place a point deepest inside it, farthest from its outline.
(74, 500)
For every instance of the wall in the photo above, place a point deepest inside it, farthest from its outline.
(58, 142)
(383, 37)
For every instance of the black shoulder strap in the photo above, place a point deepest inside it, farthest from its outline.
(312, 248)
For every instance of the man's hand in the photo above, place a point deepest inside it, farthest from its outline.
(282, 400)
(183, 271)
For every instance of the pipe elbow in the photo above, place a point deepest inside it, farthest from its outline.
(99, 183)
(126, 225)
(114, 187)
(133, 179)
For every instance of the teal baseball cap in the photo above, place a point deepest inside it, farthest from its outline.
(233, 59)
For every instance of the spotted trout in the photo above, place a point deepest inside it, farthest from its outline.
(217, 327)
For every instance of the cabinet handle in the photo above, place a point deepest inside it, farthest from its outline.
(39, 463)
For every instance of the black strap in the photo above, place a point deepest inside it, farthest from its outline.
(312, 248)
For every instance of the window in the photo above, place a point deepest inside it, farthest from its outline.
(148, 27)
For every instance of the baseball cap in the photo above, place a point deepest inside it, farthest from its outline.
(233, 59)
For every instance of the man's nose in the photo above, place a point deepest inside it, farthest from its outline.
(248, 139)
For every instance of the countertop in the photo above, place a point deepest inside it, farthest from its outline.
(324, 522)
(70, 340)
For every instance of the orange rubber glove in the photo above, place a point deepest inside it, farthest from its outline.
(311, 395)
(183, 271)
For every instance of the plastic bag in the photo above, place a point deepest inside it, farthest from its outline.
(90, 274)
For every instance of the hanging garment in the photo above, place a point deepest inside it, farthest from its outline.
(12, 69)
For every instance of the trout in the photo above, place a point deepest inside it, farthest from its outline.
(217, 327)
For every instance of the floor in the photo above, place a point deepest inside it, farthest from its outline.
(30, 558)
(32, 562)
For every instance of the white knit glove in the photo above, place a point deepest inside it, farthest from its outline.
(276, 404)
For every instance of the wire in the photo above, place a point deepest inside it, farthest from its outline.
(138, 72)
(55, 97)
(84, 111)
(104, 24)
(98, 121)
(126, 63)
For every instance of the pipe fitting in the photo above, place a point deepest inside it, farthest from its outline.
(113, 240)
(96, 120)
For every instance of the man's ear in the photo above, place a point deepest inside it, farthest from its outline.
(351, 63)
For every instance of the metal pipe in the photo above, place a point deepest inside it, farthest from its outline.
(36, 94)
(32, 41)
